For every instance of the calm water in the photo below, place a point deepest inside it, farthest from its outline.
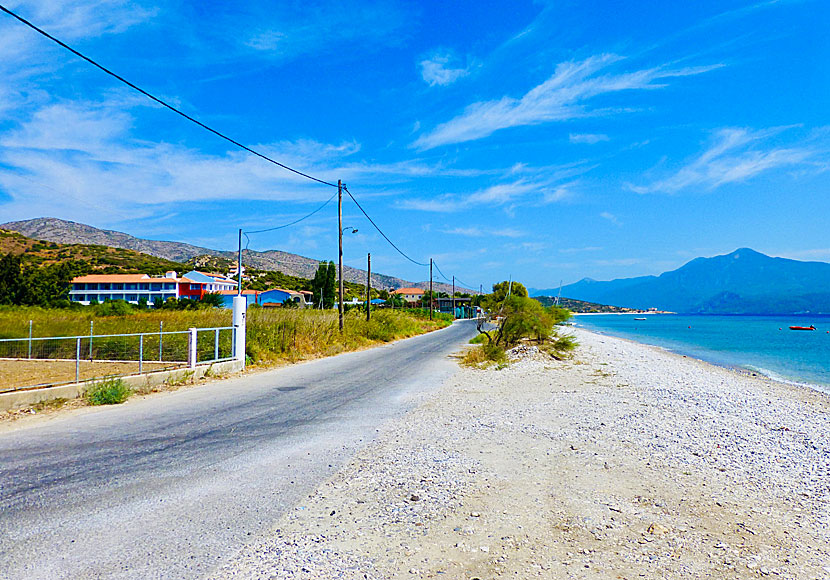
(760, 343)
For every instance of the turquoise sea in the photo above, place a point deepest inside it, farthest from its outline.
(762, 344)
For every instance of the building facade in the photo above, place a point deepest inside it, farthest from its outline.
(410, 295)
(129, 287)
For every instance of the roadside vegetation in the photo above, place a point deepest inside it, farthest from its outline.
(108, 391)
(273, 334)
(515, 319)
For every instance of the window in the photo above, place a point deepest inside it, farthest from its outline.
(131, 286)
(155, 286)
(132, 297)
(143, 286)
(118, 286)
(104, 286)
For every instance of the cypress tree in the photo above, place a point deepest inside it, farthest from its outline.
(330, 289)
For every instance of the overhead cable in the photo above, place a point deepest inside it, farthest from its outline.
(391, 243)
(295, 221)
(161, 102)
(440, 272)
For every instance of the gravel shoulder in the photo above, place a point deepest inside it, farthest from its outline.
(624, 462)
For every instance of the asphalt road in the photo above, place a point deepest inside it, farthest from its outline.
(172, 485)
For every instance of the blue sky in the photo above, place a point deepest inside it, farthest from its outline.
(542, 141)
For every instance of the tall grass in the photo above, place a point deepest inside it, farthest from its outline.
(289, 334)
(274, 334)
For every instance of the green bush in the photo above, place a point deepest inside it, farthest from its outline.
(110, 391)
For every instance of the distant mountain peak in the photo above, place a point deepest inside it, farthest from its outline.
(744, 281)
(745, 252)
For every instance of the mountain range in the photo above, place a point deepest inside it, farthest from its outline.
(68, 232)
(742, 282)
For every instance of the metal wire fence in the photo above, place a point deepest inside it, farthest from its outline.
(36, 361)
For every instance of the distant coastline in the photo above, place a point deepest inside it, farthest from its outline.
(635, 313)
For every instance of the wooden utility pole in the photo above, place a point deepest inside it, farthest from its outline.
(453, 297)
(340, 249)
(369, 288)
(431, 298)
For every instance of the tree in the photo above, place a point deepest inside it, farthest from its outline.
(10, 279)
(318, 283)
(38, 286)
(395, 300)
(213, 300)
(330, 287)
(502, 289)
(518, 317)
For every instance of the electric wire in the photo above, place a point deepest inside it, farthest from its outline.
(391, 243)
(295, 221)
(161, 102)
(440, 272)
(226, 138)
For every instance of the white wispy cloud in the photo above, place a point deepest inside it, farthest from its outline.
(580, 250)
(606, 215)
(813, 254)
(587, 138)
(496, 195)
(734, 155)
(68, 159)
(288, 30)
(562, 97)
(82, 19)
(441, 69)
(480, 232)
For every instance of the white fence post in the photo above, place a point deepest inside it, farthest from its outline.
(191, 348)
(240, 307)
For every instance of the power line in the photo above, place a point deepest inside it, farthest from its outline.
(467, 286)
(391, 243)
(461, 283)
(440, 272)
(161, 102)
(295, 221)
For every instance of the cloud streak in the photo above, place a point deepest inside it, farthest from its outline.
(498, 195)
(437, 70)
(735, 155)
(562, 97)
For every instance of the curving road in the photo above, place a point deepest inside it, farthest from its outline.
(170, 486)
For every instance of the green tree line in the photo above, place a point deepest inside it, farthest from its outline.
(36, 286)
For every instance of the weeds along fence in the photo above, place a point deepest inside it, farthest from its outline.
(40, 361)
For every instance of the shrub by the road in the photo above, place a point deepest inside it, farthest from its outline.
(108, 391)
(514, 318)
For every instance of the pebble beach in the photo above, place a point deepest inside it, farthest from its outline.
(624, 461)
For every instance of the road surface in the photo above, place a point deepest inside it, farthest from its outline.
(172, 485)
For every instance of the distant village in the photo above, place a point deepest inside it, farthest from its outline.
(146, 290)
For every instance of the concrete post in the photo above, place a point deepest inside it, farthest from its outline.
(191, 348)
(240, 307)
